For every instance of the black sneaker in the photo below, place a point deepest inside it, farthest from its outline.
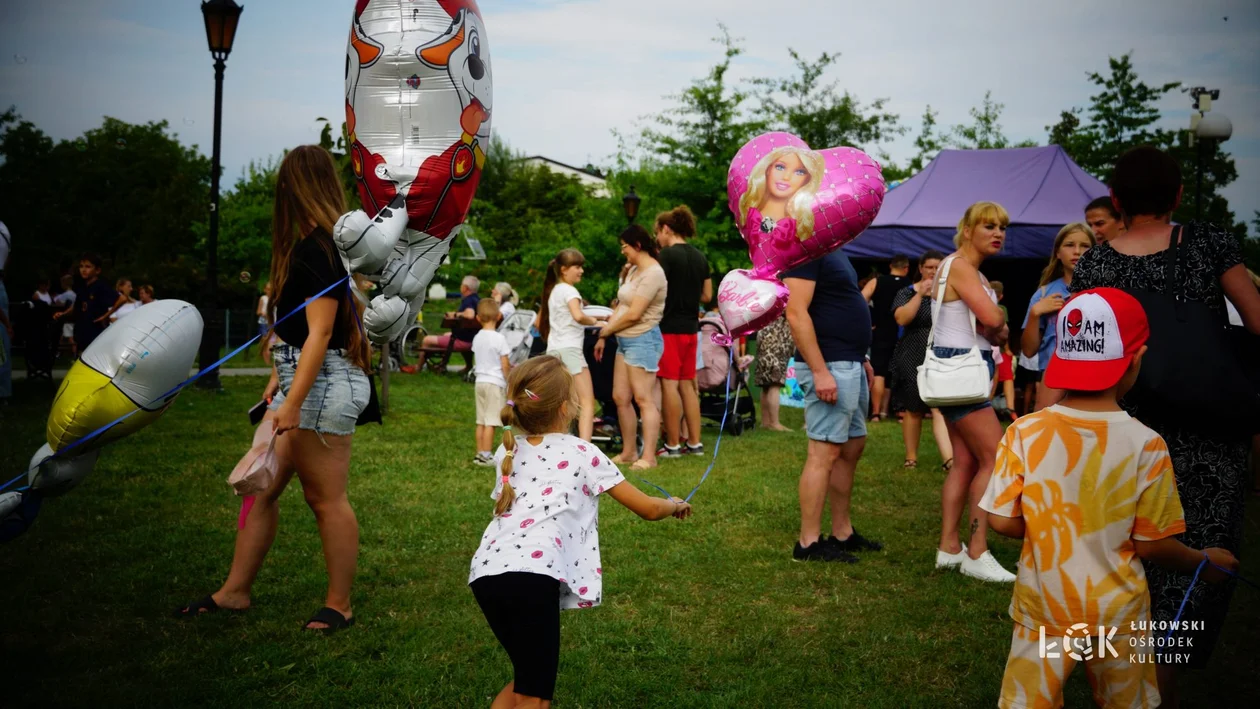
(855, 542)
(821, 551)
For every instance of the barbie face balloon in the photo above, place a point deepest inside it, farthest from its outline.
(794, 204)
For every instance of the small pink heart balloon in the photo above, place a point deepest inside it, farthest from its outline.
(748, 302)
(794, 204)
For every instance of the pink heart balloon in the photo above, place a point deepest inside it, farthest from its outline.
(748, 302)
(839, 190)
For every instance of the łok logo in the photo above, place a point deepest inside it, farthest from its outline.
(1077, 643)
(1074, 320)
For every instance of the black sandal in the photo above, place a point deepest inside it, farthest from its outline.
(947, 465)
(202, 606)
(330, 617)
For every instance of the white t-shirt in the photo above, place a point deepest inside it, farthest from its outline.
(506, 309)
(553, 526)
(565, 331)
(44, 296)
(64, 298)
(488, 346)
(262, 304)
(126, 309)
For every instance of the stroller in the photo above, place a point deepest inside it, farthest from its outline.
(518, 330)
(715, 378)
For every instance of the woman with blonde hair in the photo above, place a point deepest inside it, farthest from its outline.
(974, 430)
(320, 384)
(1039, 334)
(782, 187)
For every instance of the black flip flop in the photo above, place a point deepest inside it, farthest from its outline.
(330, 617)
(199, 607)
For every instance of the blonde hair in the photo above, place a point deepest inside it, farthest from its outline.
(536, 394)
(1054, 270)
(801, 206)
(487, 310)
(979, 213)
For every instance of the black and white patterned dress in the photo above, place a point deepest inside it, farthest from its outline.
(908, 355)
(1211, 473)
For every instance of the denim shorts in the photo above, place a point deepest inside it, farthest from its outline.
(953, 414)
(642, 351)
(845, 419)
(339, 394)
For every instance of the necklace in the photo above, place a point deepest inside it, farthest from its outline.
(767, 224)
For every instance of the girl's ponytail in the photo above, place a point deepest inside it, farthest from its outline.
(544, 313)
(506, 495)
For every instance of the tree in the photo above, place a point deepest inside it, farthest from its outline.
(129, 192)
(691, 146)
(820, 114)
(1121, 116)
(985, 132)
(929, 141)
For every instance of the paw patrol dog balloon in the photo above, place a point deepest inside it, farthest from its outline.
(792, 205)
(418, 105)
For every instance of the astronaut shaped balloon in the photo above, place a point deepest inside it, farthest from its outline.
(123, 382)
(792, 204)
(418, 104)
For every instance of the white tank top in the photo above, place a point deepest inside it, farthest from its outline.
(954, 328)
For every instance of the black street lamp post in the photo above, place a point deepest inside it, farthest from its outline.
(220, 17)
(630, 203)
(1205, 126)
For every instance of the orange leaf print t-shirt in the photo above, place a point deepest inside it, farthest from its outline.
(1087, 485)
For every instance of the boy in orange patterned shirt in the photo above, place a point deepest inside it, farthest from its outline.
(1091, 491)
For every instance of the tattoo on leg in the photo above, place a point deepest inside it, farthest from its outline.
(975, 524)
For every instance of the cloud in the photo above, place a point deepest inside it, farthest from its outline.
(569, 72)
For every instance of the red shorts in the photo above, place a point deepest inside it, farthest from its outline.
(678, 362)
(1004, 369)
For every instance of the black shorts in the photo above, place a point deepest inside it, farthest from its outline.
(523, 610)
(881, 357)
(1025, 377)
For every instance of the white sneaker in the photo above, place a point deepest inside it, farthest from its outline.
(986, 568)
(945, 560)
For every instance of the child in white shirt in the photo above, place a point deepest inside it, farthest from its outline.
(540, 553)
(563, 325)
(490, 364)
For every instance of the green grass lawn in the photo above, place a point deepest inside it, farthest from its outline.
(709, 612)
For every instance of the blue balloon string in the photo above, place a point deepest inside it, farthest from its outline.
(717, 445)
(1186, 598)
(176, 389)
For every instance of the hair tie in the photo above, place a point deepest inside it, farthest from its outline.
(505, 480)
(509, 454)
(511, 404)
(507, 428)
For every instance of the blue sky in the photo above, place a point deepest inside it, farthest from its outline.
(569, 72)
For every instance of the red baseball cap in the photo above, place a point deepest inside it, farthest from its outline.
(1099, 331)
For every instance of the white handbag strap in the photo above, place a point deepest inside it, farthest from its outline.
(939, 300)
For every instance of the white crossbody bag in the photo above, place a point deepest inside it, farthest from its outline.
(952, 381)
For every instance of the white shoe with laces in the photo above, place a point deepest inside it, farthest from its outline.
(945, 560)
(986, 568)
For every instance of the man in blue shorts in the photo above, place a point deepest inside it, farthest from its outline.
(831, 324)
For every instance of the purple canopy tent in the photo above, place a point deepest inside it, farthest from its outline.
(1041, 188)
